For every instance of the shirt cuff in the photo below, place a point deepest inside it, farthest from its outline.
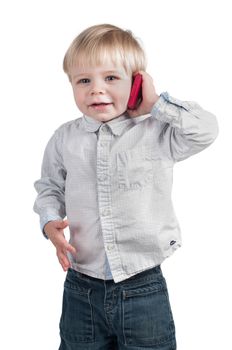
(45, 219)
(167, 109)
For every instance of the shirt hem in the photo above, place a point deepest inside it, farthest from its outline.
(116, 279)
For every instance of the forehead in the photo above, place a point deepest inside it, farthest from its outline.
(98, 69)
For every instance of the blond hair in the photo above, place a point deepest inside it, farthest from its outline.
(96, 44)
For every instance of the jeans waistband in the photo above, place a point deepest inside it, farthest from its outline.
(147, 275)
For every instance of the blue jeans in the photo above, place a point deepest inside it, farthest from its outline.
(134, 314)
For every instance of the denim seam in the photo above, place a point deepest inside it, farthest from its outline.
(91, 312)
(123, 319)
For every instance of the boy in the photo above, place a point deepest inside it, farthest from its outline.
(110, 172)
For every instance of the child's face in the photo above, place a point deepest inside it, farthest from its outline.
(101, 92)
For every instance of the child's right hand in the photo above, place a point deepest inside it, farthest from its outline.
(55, 232)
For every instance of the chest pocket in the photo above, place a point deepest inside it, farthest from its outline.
(139, 168)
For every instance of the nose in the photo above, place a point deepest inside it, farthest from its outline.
(97, 88)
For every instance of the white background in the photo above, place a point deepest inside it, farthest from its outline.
(187, 44)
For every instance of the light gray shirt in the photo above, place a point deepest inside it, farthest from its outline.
(113, 181)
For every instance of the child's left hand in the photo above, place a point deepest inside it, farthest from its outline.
(149, 97)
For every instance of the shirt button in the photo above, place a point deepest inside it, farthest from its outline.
(110, 247)
(104, 129)
(103, 144)
(102, 177)
(105, 212)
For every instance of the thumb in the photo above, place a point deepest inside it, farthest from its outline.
(62, 224)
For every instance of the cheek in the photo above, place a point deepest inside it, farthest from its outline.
(78, 96)
(125, 97)
(125, 94)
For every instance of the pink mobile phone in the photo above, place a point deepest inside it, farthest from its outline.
(136, 92)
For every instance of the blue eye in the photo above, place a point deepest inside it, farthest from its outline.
(111, 78)
(83, 81)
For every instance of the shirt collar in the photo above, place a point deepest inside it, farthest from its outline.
(117, 125)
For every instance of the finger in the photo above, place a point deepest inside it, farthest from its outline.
(65, 267)
(134, 113)
(63, 261)
(71, 249)
(142, 72)
(65, 222)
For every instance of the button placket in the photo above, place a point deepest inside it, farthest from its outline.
(104, 186)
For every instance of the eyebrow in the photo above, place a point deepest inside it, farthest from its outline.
(104, 72)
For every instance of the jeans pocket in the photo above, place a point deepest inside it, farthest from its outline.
(76, 323)
(147, 316)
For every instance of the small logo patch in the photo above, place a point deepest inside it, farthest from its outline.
(172, 242)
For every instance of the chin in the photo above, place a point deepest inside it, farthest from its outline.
(105, 119)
